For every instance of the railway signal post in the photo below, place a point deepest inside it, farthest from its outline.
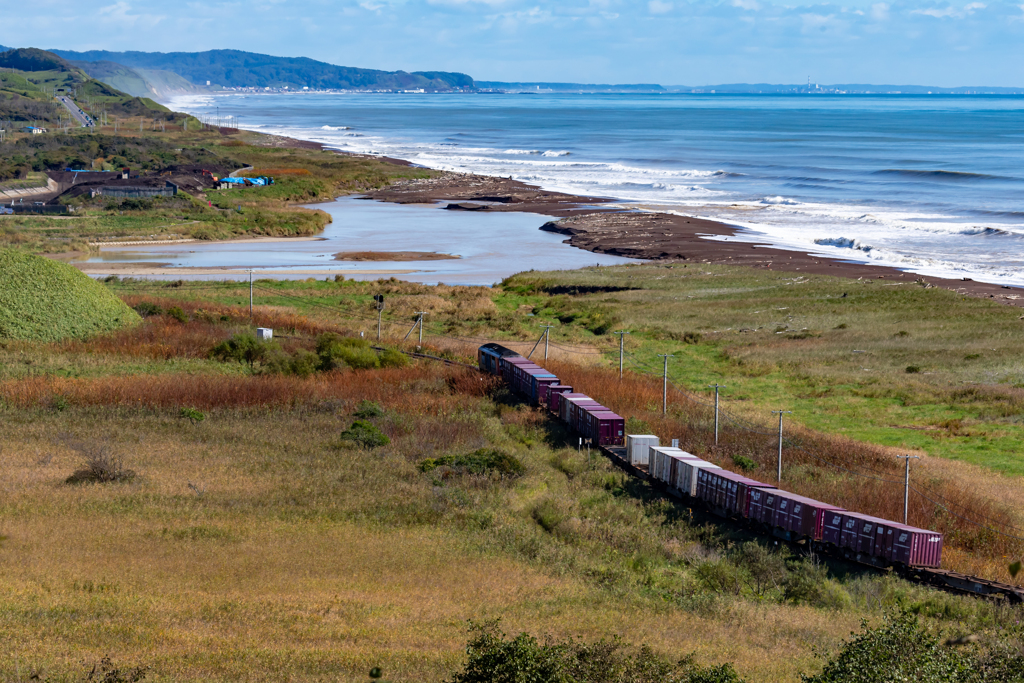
(780, 413)
(716, 388)
(906, 486)
(378, 300)
(664, 386)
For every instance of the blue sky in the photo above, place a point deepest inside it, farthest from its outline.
(933, 42)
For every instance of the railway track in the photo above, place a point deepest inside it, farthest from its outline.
(943, 579)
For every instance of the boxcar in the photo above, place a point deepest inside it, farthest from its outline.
(605, 428)
(686, 478)
(554, 391)
(489, 356)
(725, 492)
(637, 445)
(917, 547)
(799, 516)
(563, 404)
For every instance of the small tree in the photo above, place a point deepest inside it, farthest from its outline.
(244, 348)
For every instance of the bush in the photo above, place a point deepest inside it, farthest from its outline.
(192, 415)
(898, 650)
(478, 462)
(720, 576)
(146, 309)
(245, 348)
(744, 463)
(913, 369)
(178, 314)
(367, 409)
(808, 584)
(365, 434)
(495, 658)
(101, 465)
(337, 352)
(392, 358)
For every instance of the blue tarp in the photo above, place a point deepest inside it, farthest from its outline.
(263, 180)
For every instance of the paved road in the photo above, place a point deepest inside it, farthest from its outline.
(76, 112)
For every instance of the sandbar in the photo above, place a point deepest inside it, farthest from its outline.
(393, 256)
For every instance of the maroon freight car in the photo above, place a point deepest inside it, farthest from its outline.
(605, 428)
(554, 391)
(799, 516)
(917, 547)
(725, 492)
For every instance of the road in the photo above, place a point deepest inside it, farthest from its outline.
(76, 112)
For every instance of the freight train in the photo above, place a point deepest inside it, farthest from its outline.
(827, 528)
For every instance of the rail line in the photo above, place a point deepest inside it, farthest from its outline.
(943, 579)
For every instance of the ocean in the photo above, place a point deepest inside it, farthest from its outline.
(930, 184)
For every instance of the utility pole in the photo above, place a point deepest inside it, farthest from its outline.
(664, 386)
(780, 413)
(716, 387)
(547, 336)
(250, 295)
(622, 336)
(906, 485)
(379, 302)
(419, 321)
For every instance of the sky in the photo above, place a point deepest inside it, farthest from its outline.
(671, 42)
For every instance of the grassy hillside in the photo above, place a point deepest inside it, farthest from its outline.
(255, 531)
(43, 300)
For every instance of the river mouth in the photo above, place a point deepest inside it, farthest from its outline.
(486, 248)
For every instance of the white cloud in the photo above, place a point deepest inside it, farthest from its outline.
(751, 5)
(659, 7)
(880, 11)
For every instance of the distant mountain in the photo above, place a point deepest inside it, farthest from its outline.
(236, 69)
(568, 87)
(137, 82)
(33, 59)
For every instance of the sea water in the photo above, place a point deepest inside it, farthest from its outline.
(930, 184)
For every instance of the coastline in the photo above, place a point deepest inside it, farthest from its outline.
(600, 225)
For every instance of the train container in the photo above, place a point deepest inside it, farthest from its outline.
(564, 403)
(605, 428)
(760, 507)
(686, 479)
(581, 415)
(523, 374)
(917, 547)
(637, 445)
(554, 391)
(832, 527)
(725, 492)
(574, 411)
(489, 357)
(536, 383)
(799, 516)
(662, 462)
(676, 461)
(509, 370)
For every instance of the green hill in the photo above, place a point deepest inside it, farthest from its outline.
(234, 68)
(44, 300)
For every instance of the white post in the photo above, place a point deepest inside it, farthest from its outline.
(664, 386)
(717, 387)
(906, 486)
(781, 413)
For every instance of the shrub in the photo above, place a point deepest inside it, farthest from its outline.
(744, 463)
(913, 369)
(691, 338)
(178, 314)
(392, 358)
(478, 462)
(192, 415)
(244, 348)
(493, 657)
(808, 583)
(719, 576)
(101, 465)
(365, 434)
(338, 352)
(898, 650)
(146, 309)
(367, 409)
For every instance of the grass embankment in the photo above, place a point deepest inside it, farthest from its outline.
(41, 300)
